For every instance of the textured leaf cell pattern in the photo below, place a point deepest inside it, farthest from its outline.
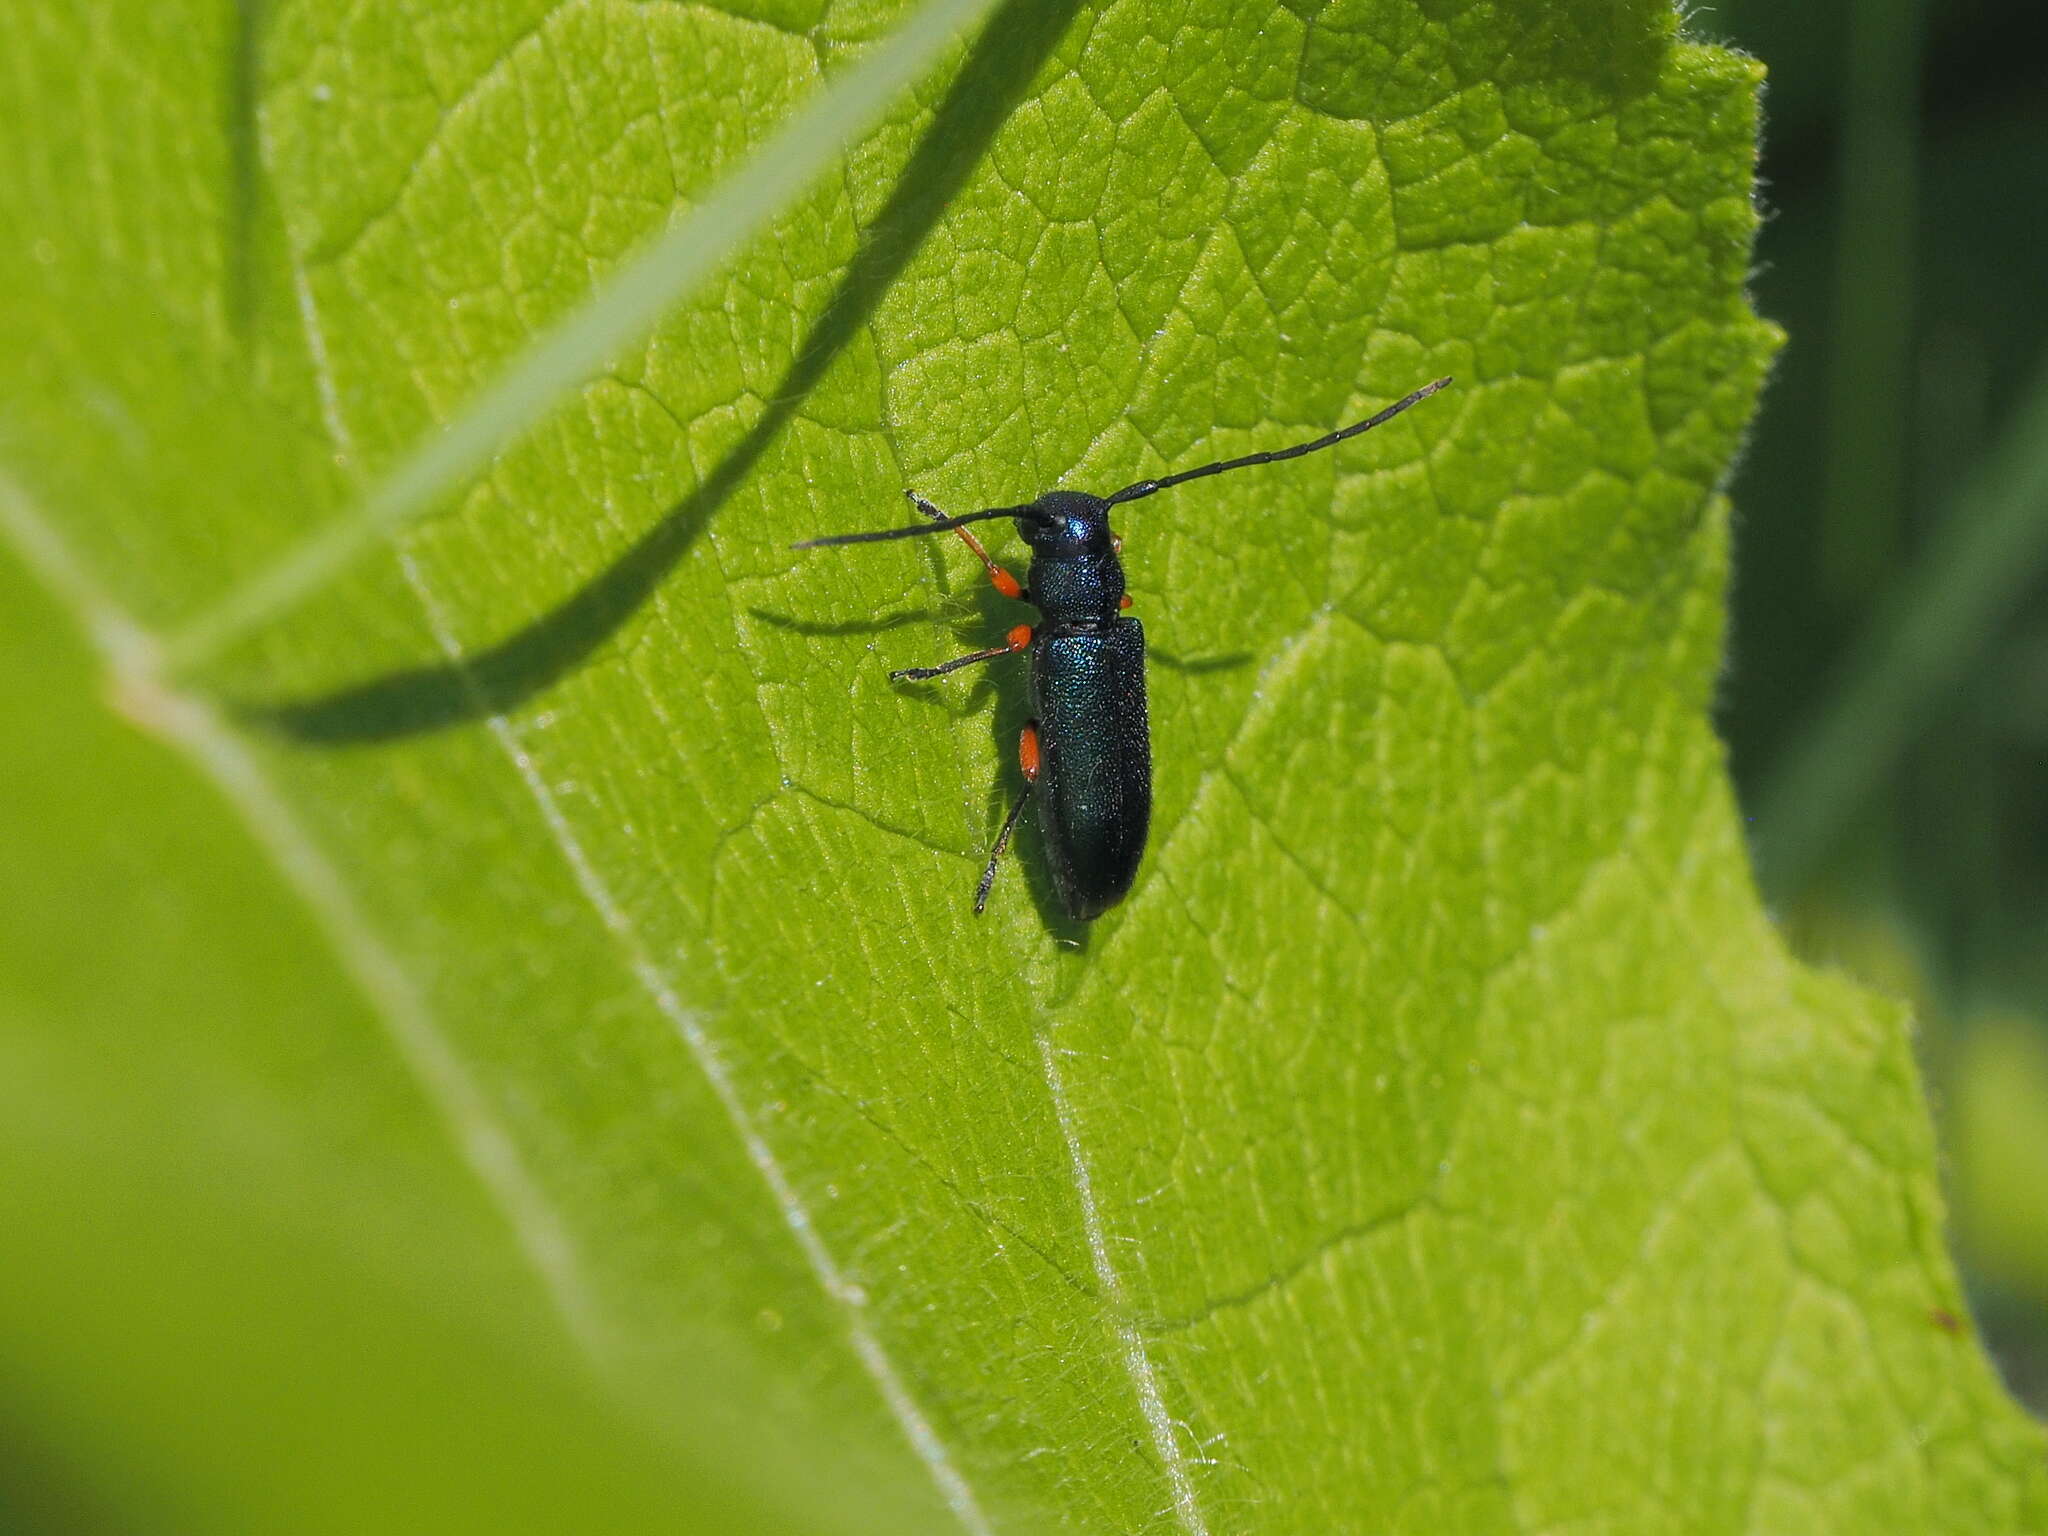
(1439, 1137)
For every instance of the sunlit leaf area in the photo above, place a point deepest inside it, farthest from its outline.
(495, 1032)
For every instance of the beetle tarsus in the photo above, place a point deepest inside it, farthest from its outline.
(995, 856)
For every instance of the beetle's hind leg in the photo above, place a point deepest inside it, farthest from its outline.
(1027, 759)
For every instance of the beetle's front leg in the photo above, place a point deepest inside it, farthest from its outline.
(999, 578)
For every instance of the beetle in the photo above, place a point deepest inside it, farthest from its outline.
(1087, 749)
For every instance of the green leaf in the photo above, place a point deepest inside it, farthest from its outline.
(252, 1285)
(1439, 1138)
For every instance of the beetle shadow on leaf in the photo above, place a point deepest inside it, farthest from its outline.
(1199, 666)
(503, 677)
(821, 629)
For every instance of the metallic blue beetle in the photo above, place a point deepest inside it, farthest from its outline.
(1087, 751)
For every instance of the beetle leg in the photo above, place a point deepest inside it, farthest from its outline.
(999, 578)
(1027, 759)
(1015, 641)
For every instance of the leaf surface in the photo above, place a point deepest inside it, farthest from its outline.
(1437, 1139)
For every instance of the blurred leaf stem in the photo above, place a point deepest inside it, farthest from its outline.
(1864, 504)
(1990, 543)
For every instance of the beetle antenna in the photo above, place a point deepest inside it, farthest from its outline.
(1147, 487)
(936, 525)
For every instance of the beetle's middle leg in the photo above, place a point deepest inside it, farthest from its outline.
(1018, 639)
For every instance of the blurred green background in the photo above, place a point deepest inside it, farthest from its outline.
(1886, 696)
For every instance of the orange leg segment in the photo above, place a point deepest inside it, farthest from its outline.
(999, 578)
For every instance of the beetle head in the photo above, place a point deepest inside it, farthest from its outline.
(1066, 524)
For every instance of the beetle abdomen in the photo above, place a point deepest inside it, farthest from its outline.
(1095, 778)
